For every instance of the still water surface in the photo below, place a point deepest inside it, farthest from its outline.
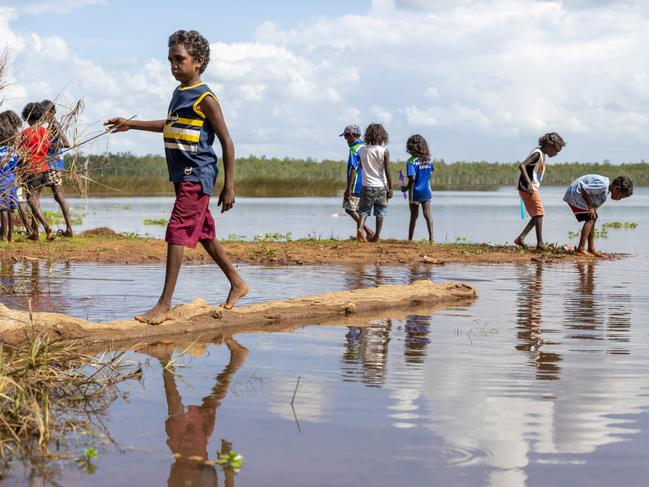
(543, 380)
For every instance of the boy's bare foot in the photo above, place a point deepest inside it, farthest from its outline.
(369, 234)
(49, 235)
(519, 241)
(373, 238)
(540, 246)
(155, 315)
(596, 253)
(64, 233)
(360, 234)
(583, 252)
(237, 292)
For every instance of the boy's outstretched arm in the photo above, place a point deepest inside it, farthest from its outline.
(57, 132)
(119, 124)
(212, 110)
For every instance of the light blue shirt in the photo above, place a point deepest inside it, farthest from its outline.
(596, 186)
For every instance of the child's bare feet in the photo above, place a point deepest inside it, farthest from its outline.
(373, 238)
(49, 235)
(237, 291)
(583, 252)
(155, 315)
(540, 246)
(519, 241)
(596, 253)
(360, 234)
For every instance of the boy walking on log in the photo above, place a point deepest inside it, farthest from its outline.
(194, 118)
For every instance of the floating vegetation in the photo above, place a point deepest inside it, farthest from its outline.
(620, 225)
(156, 221)
(55, 218)
(597, 233)
(53, 396)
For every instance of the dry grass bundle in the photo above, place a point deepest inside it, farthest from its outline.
(50, 390)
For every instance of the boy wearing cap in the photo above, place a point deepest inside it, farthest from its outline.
(351, 198)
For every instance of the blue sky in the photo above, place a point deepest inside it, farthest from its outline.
(481, 80)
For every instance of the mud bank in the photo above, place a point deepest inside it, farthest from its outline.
(344, 308)
(105, 246)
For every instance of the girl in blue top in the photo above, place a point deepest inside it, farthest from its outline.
(419, 169)
(8, 196)
(193, 120)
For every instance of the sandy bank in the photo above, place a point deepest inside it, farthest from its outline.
(108, 247)
(340, 308)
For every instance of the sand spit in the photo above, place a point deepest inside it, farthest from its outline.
(344, 308)
(105, 246)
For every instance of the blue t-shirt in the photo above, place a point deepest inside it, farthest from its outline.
(8, 163)
(188, 138)
(420, 171)
(596, 186)
(354, 162)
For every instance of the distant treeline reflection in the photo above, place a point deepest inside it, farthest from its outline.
(261, 176)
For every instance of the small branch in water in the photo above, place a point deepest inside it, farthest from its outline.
(295, 391)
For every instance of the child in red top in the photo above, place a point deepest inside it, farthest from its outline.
(33, 153)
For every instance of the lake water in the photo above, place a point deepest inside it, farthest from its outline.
(542, 381)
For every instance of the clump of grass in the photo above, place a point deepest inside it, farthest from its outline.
(156, 221)
(50, 390)
(620, 225)
(55, 218)
(597, 233)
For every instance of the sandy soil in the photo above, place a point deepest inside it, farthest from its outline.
(341, 308)
(105, 246)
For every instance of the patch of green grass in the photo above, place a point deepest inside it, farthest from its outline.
(156, 221)
(619, 225)
(55, 218)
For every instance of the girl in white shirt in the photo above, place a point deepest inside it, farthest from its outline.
(377, 180)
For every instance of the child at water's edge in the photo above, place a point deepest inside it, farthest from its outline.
(529, 182)
(13, 120)
(33, 159)
(8, 163)
(588, 193)
(194, 118)
(418, 170)
(56, 162)
(377, 180)
(351, 198)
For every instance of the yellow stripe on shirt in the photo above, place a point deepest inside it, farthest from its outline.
(181, 134)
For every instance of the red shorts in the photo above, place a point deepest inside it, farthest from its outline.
(191, 220)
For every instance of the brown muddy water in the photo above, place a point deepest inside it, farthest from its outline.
(542, 381)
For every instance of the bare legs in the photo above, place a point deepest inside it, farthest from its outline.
(356, 217)
(22, 211)
(33, 198)
(7, 219)
(360, 229)
(414, 214)
(588, 236)
(160, 312)
(535, 222)
(238, 287)
(57, 190)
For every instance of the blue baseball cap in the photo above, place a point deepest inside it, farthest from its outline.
(352, 130)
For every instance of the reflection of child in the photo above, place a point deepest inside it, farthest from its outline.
(8, 196)
(193, 120)
(588, 193)
(377, 180)
(419, 169)
(529, 182)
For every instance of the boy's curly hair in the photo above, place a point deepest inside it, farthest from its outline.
(552, 138)
(624, 185)
(418, 147)
(12, 118)
(196, 45)
(375, 134)
(48, 106)
(7, 133)
(33, 112)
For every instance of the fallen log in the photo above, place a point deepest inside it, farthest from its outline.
(343, 308)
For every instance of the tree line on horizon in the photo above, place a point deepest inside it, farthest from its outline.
(263, 176)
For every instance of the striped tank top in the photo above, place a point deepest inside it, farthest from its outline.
(188, 138)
